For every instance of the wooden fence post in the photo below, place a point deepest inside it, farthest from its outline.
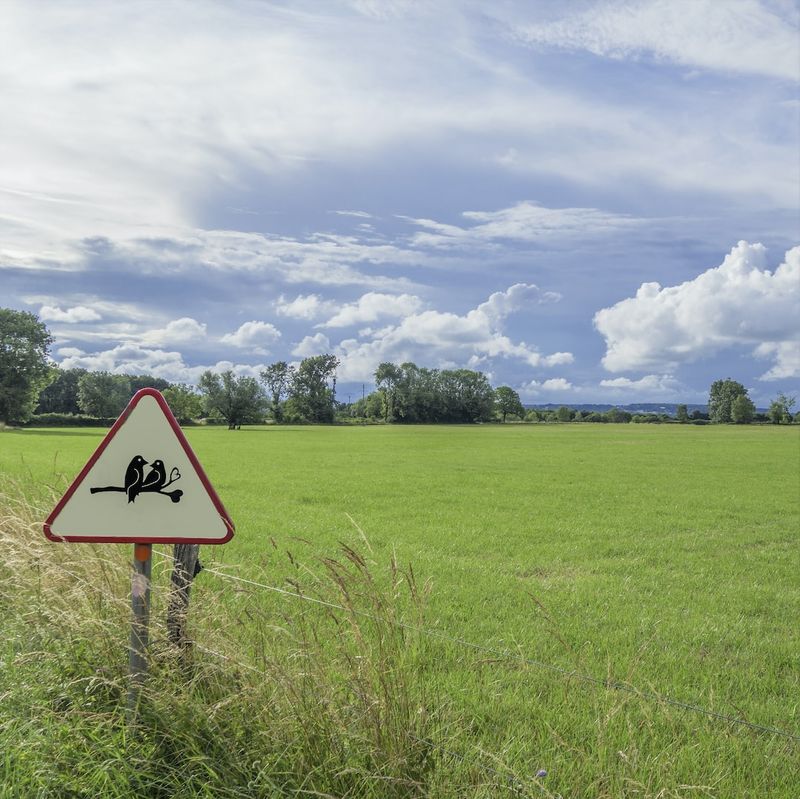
(140, 604)
(186, 566)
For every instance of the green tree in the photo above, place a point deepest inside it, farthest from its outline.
(103, 394)
(138, 382)
(184, 402)
(508, 402)
(682, 414)
(374, 405)
(387, 379)
(564, 414)
(277, 378)
(61, 396)
(780, 410)
(742, 409)
(721, 397)
(237, 400)
(313, 388)
(24, 368)
(618, 416)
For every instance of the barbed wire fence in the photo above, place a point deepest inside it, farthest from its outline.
(517, 785)
(506, 654)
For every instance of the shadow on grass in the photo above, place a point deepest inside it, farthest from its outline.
(93, 431)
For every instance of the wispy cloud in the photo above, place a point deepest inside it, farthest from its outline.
(733, 36)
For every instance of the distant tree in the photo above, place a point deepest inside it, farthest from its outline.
(596, 416)
(742, 409)
(462, 396)
(313, 388)
(618, 416)
(564, 414)
(24, 368)
(103, 394)
(682, 414)
(138, 382)
(532, 415)
(184, 402)
(387, 379)
(374, 405)
(278, 380)
(237, 400)
(508, 402)
(61, 396)
(579, 416)
(780, 410)
(721, 397)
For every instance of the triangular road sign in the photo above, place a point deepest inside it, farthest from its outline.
(143, 484)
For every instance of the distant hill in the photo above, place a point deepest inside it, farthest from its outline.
(670, 408)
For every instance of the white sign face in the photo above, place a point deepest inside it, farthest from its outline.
(143, 484)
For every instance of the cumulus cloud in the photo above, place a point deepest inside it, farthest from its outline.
(132, 359)
(539, 388)
(179, 331)
(739, 303)
(516, 298)
(78, 313)
(318, 344)
(786, 355)
(373, 306)
(447, 339)
(254, 335)
(303, 306)
(734, 36)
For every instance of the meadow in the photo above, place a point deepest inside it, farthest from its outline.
(664, 558)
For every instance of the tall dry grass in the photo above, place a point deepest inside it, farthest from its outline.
(277, 698)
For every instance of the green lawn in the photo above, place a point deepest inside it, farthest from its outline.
(664, 556)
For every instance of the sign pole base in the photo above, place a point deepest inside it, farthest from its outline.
(140, 605)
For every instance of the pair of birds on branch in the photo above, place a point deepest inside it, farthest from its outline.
(137, 482)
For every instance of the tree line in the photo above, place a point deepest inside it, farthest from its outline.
(31, 386)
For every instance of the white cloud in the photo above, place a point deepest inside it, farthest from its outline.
(734, 36)
(516, 298)
(132, 359)
(524, 222)
(126, 158)
(324, 259)
(179, 331)
(739, 303)
(78, 313)
(445, 339)
(318, 344)
(373, 306)
(356, 214)
(786, 355)
(554, 385)
(303, 306)
(70, 352)
(662, 386)
(254, 335)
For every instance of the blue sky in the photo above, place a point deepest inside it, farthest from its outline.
(588, 201)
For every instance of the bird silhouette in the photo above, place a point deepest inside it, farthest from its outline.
(134, 477)
(155, 478)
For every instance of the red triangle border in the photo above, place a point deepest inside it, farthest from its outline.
(217, 502)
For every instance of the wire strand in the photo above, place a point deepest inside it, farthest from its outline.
(513, 781)
(506, 654)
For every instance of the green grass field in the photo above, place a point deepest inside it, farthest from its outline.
(666, 557)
